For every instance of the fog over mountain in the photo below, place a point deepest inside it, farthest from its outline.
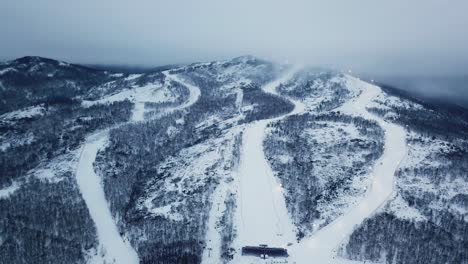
(421, 36)
(451, 89)
(233, 132)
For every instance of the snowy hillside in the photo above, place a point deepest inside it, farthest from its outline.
(204, 163)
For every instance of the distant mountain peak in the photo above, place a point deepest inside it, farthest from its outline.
(34, 59)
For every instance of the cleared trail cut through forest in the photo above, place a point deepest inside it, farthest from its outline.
(112, 247)
(322, 246)
(261, 214)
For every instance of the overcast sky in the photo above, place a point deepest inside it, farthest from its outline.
(397, 36)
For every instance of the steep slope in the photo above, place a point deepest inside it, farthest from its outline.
(40, 155)
(113, 248)
(262, 217)
(322, 157)
(159, 176)
(425, 221)
(190, 164)
(323, 245)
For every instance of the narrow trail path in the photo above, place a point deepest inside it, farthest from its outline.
(261, 214)
(322, 246)
(113, 248)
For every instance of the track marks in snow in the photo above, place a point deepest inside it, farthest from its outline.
(261, 215)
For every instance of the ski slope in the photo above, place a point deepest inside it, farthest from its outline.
(112, 247)
(193, 90)
(212, 252)
(322, 246)
(261, 215)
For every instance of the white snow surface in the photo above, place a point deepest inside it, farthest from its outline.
(7, 191)
(423, 152)
(113, 247)
(153, 92)
(193, 90)
(56, 169)
(7, 70)
(150, 93)
(27, 112)
(322, 246)
(328, 166)
(212, 252)
(261, 215)
(401, 209)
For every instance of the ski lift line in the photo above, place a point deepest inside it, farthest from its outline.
(239, 191)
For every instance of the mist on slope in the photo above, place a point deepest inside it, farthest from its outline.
(395, 41)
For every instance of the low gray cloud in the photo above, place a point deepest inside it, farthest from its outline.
(377, 37)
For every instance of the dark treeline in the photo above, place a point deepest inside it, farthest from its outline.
(443, 236)
(228, 232)
(33, 80)
(124, 82)
(46, 223)
(398, 241)
(131, 162)
(318, 85)
(265, 105)
(181, 94)
(302, 175)
(63, 127)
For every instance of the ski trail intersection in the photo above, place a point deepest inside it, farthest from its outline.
(112, 247)
(262, 217)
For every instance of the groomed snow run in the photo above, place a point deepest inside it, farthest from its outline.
(212, 252)
(193, 90)
(261, 214)
(141, 97)
(112, 247)
(322, 246)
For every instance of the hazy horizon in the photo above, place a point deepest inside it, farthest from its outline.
(399, 37)
(380, 40)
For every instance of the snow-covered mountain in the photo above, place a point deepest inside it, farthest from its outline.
(194, 163)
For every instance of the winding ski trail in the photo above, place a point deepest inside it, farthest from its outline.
(113, 248)
(322, 246)
(261, 215)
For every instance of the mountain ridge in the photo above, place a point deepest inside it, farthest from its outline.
(169, 159)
